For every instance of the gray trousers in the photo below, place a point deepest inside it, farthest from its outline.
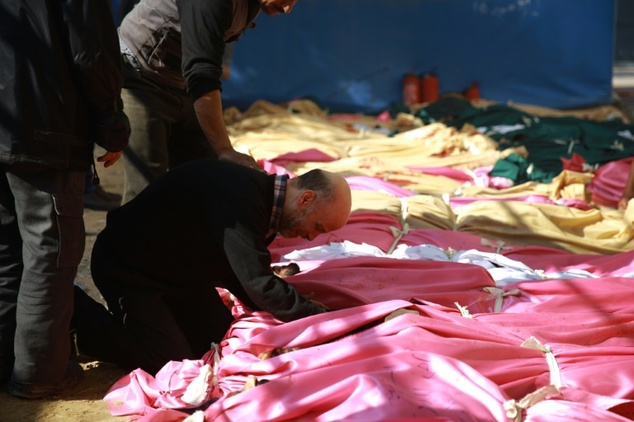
(42, 239)
(165, 131)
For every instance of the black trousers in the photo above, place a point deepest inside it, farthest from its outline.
(145, 327)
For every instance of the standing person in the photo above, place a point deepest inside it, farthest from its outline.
(173, 55)
(204, 224)
(60, 88)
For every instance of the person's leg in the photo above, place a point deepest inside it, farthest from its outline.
(140, 334)
(151, 111)
(138, 331)
(10, 274)
(49, 209)
(164, 131)
(203, 316)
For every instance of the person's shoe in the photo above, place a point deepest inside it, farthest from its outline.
(72, 378)
(100, 200)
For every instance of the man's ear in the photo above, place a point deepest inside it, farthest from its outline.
(307, 197)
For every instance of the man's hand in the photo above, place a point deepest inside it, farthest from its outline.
(284, 271)
(240, 158)
(209, 114)
(109, 158)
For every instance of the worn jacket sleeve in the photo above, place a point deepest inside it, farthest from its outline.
(251, 263)
(203, 24)
(94, 46)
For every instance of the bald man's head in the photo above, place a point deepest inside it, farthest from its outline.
(316, 202)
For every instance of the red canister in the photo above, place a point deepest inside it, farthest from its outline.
(473, 92)
(411, 89)
(429, 87)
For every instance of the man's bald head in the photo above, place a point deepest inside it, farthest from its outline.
(316, 202)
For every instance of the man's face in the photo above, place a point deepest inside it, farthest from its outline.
(276, 7)
(305, 222)
(310, 219)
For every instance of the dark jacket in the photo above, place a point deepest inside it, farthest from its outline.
(203, 222)
(60, 82)
(180, 43)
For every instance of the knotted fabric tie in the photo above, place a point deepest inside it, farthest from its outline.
(464, 311)
(398, 234)
(500, 295)
(555, 373)
(196, 391)
(514, 408)
(498, 245)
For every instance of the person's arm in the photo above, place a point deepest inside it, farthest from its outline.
(210, 116)
(240, 226)
(628, 192)
(203, 27)
(251, 263)
(94, 47)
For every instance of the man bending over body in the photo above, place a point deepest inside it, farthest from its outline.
(204, 224)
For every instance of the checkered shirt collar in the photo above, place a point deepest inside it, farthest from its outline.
(279, 194)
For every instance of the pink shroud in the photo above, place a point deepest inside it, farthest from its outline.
(422, 338)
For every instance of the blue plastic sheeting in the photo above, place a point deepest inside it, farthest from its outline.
(351, 55)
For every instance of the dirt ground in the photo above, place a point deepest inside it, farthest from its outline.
(85, 403)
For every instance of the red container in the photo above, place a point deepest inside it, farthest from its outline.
(473, 92)
(411, 89)
(429, 88)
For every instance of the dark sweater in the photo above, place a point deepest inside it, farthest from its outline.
(203, 222)
(181, 43)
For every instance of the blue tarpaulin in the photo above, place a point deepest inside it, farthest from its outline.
(352, 54)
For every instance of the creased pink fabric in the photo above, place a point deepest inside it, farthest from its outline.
(460, 352)
(374, 184)
(140, 390)
(313, 155)
(609, 180)
(362, 227)
(273, 168)
(452, 173)
(353, 365)
(355, 281)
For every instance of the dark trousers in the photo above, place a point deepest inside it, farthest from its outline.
(42, 241)
(146, 327)
(165, 131)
